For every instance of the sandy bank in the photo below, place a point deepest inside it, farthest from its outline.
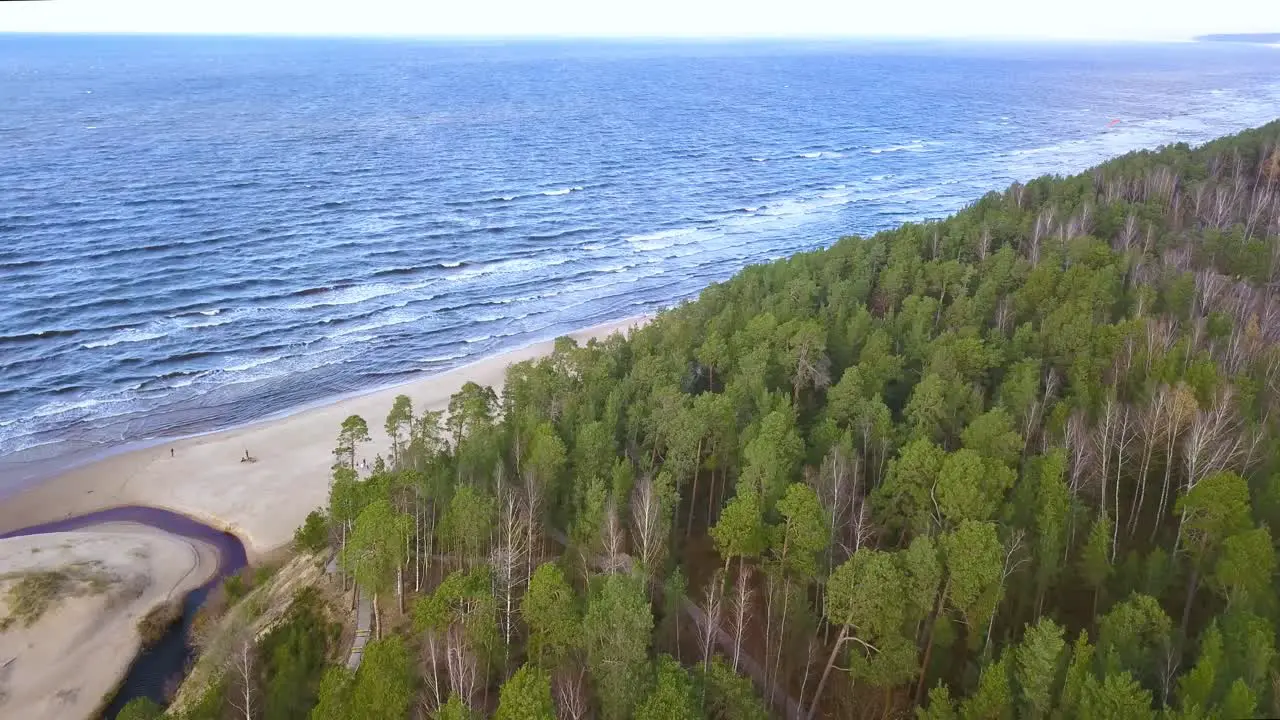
(264, 501)
(78, 651)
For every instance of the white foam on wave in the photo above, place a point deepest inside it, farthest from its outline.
(377, 322)
(207, 319)
(913, 146)
(251, 364)
(1035, 151)
(445, 358)
(351, 295)
(129, 335)
(260, 369)
(827, 154)
(210, 323)
(503, 267)
(1207, 115)
(824, 201)
(659, 240)
(610, 269)
(16, 434)
(562, 191)
(454, 264)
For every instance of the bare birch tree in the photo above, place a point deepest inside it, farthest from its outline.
(461, 664)
(741, 611)
(508, 559)
(613, 541)
(1182, 407)
(1213, 442)
(711, 610)
(241, 665)
(650, 524)
(568, 686)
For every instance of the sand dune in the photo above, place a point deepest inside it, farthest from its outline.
(264, 501)
(78, 651)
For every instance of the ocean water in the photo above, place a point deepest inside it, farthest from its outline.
(198, 232)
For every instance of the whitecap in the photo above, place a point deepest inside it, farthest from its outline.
(913, 146)
(516, 265)
(615, 268)
(250, 364)
(130, 335)
(210, 323)
(659, 240)
(562, 191)
(444, 358)
(351, 295)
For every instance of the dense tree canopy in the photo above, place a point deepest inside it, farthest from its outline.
(1020, 462)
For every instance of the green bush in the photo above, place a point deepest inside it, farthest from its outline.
(293, 655)
(313, 535)
(140, 708)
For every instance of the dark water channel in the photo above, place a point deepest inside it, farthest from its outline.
(164, 663)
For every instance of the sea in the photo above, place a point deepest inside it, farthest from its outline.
(197, 232)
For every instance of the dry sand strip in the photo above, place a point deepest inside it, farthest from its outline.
(261, 502)
(95, 585)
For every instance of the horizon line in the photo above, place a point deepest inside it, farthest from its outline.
(672, 38)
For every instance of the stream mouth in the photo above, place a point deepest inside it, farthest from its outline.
(164, 664)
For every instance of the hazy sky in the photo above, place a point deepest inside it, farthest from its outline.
(1100, 19)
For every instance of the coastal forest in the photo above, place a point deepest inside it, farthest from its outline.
(1017, 463)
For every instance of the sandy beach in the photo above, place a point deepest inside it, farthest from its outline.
(261, 502)
(67, 662)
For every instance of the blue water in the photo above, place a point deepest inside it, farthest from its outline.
(198, 232)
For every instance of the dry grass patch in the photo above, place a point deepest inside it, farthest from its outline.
(153, 625)
(32, 593)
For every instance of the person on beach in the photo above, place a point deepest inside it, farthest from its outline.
(170, 452)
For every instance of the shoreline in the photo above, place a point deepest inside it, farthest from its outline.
(35, 472)
(261, 503)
